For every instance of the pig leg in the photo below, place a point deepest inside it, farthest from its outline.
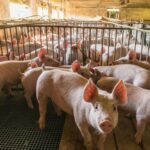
(29, 100)
(100, 143)
(84, 130)
(42, 110)
(57, 110)
(141, 124)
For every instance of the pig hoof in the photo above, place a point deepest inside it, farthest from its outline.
(41, 125)
(138, 139)
(31, 106)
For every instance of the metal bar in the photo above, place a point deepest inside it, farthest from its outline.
(23, 40)
(11, 37)
(17, 42)
(29, 41)
(6, 42)
(46, 40)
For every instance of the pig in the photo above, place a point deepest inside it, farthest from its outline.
(79, 97)
(29, 78)
(108, 54)
(129, 73)
(138, 103)
(10, 69)
(140, 49)
(131, 58)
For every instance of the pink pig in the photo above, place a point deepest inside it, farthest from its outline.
(29, 78)
(138, 103)
(79, 97)
(10, 70)
(131, 58)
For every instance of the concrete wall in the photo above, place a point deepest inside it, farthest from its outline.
(135, 13)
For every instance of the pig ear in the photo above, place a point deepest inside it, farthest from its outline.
(120, 93)
(75, 66)
(90, 91)
(132, 55)
(42, 53)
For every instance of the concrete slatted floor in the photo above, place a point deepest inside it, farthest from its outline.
(19, 128)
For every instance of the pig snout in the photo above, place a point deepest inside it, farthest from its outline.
(106, 126)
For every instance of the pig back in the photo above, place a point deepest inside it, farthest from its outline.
(65, 88)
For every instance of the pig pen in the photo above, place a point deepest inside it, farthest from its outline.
(65, 41)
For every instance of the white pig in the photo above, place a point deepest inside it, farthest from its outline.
(10, 69)
(129, 73)
(29, 78)
(138, 103)
(90, 106)
(131, 58)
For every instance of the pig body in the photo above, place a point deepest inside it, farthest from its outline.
(30, 77)
(104, 53)
(10, 73)
(79, 97)
(129, 73)
(131, 58)
(10, 70)
(29, 80)
(138, 103)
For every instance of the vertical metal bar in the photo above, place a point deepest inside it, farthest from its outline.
(84, 61)
(40, 35)
(129, 38)
(96, 46)
(59, 43)
(71, 41)
(65, 45)
(29, 41)
(46, 40)
(142, 36)
(34, 41)
(77, 32)
(148, 59)
(6, 42)
(108, 47)
(17, 42)
(23, 40)
(89, 55)
(135, 40)
(122, 41)
(53, 41)
(11, 37)
(103, 30)
(115, 43)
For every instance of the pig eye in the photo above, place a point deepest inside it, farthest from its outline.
(115, 108)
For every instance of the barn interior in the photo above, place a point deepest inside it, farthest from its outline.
(66, 40)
